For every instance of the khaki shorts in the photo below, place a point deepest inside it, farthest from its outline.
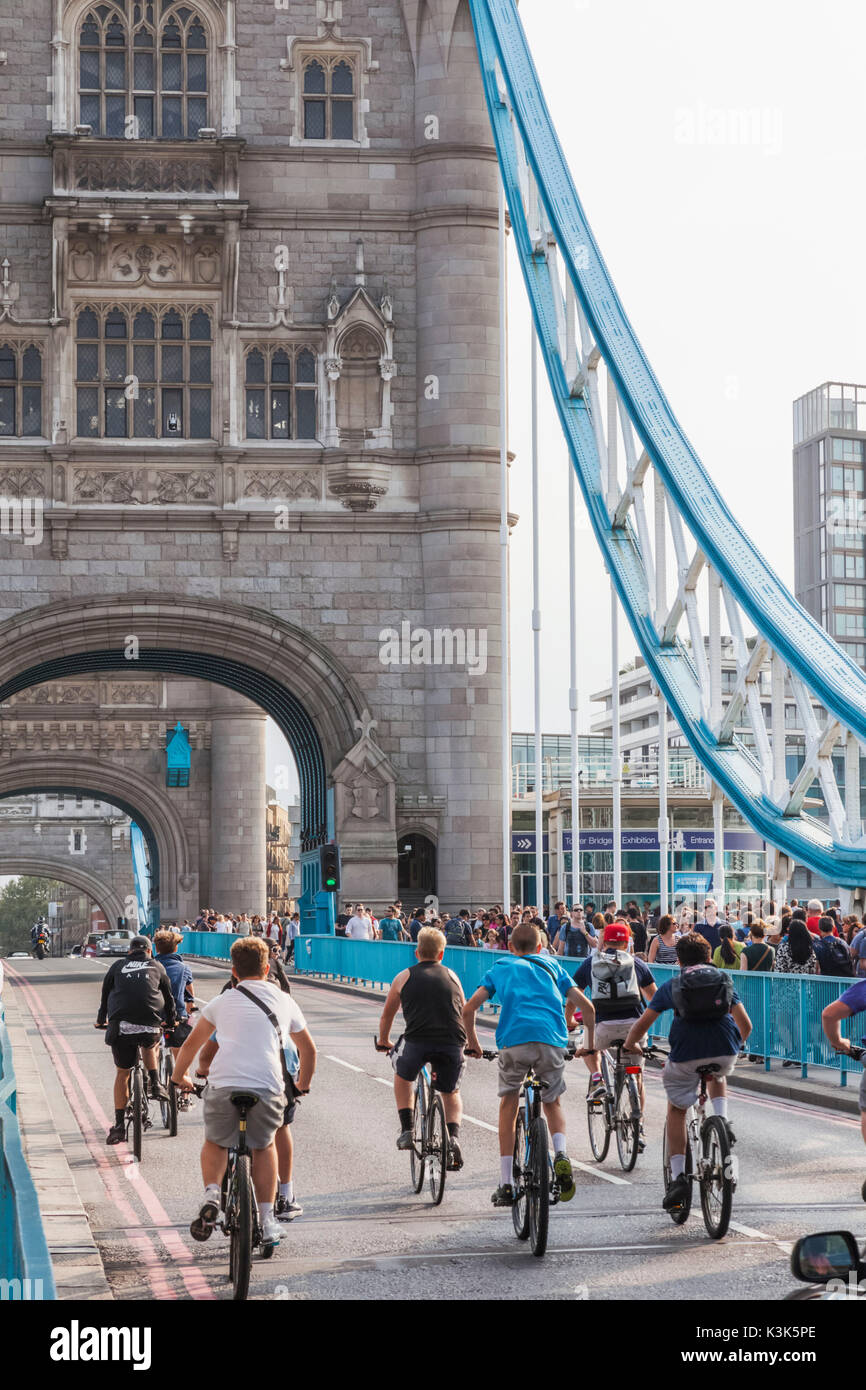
(611, 1030)
(222, 1119)
(548, 1062)
(681, 1080)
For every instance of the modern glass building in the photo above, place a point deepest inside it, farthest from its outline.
(830, 511)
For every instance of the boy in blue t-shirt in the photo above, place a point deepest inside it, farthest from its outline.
(537, 999)
(694, 1043)
(853, 1001)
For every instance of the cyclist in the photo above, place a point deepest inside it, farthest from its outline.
(709, 1027)
(252, 1024)
(166, 942)
(537, 999)
(617, 980)
(286, 1207)
(851, 1002)
(137, 1002)
(431, 997)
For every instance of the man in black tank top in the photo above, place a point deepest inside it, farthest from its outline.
(431, 997)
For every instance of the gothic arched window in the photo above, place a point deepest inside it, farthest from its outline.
(146, 78)
(280, 393)
(20, 391)
(142, 373)
(329, 99)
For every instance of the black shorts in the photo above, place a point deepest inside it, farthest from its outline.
(124, 1046)
(178, 1037)
(447, 1062)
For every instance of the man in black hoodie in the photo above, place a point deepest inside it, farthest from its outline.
(137, 1003)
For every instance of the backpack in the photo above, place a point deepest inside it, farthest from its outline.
(614, 978)
(702, 993)
(834, 957)
(455, 935)
(576, 943)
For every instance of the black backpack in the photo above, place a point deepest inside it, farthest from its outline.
(702, 993)
(576, 943)
(834, 957)
(455, 934)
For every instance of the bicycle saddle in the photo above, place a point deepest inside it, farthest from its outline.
(243, 1100)
(709, 1069)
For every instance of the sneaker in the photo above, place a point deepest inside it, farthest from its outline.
(156, 1091)
(503, 1196)
(284, 1210)
(562, 1169)
(596, 1089)
(271, 1231)
(405, 1140)
(641, 1141)
(201, 1227)
(455, 1157)
(676, 1193)
(116, 1134)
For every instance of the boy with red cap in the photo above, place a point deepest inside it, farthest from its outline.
(619, 983)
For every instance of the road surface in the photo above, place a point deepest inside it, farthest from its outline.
(365, 1235)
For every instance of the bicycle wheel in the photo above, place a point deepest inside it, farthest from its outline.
(628, 1123)
(598, 1123)
(539, 1185)
(519, 1180)
(168, 1108)
(137, 1101)
(437, 1147)
(241, 1227)
(682, 1213)
(419, 1134)
(717, 1181)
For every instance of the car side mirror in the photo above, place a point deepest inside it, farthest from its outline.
(829, 1255)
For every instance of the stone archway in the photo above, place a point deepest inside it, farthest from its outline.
(108, 900)
(175, 875)
(290, 675)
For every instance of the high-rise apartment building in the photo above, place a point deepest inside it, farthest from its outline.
(830, 511)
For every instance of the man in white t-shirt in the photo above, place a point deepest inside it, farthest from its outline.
(360, 927)
(249, 1058)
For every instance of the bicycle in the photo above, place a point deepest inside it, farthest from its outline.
(709, 1163)
(431, 1144)
(239, 1209)
(536, 1185)
(137, 1117)
(617, 1111)
(169, 1106)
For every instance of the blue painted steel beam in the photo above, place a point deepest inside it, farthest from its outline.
(806, 648)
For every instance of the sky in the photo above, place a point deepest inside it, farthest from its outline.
(719, 155)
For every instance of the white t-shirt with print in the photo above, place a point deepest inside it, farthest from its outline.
(249, 1049)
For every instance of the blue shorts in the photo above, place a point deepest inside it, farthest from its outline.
(447, 1062)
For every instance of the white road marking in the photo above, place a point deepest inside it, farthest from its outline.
(482, 1124)
(600, 1173)
(381, 1080)
(749, 1231)
(341, 1063)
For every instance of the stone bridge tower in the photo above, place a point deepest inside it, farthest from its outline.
(249, 395)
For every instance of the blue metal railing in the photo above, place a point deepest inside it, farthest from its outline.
(215, 944)
(24, 1257)
(785, 1009)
